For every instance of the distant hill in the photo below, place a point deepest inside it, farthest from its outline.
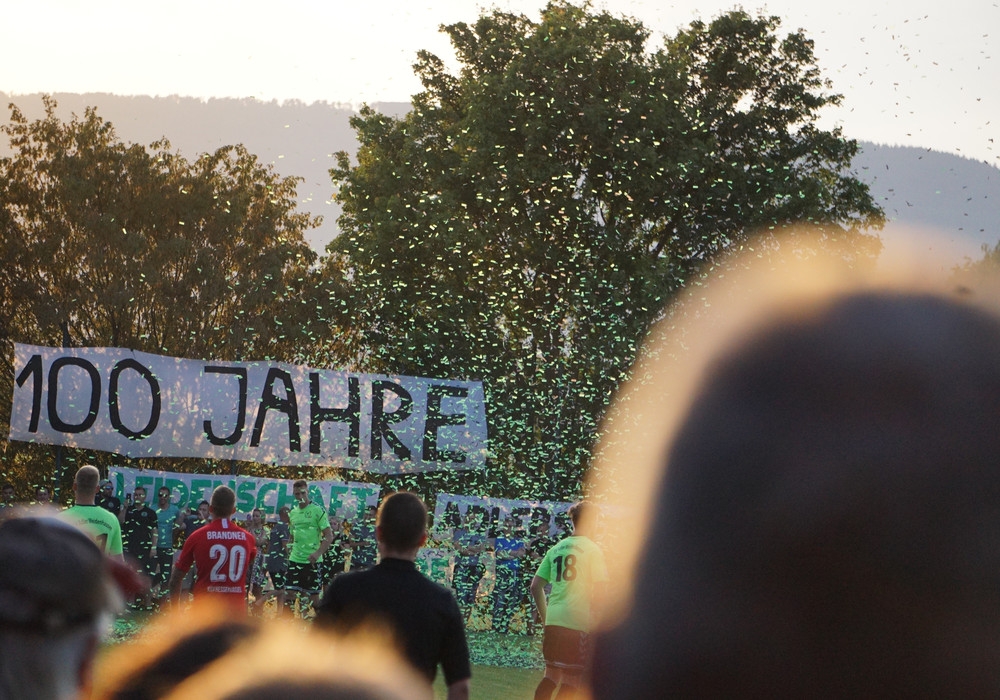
(919, 189)
(924, 190)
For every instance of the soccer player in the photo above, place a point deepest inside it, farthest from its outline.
(311, 537)
(424, 615)
(102, 525)
(222, 553)
(576, 570)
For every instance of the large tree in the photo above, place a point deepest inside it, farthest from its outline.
(530, 217)
(114, 243)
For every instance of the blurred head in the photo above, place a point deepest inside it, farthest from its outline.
(583, 515)
(139, 494)
(7, 493)
(285, 661)
(827, 518)
(163, 496)
(57, 597)
(173, 648)
(43, 495)
(283, 514)
(107, 487)
(203, 510)
(401, 524)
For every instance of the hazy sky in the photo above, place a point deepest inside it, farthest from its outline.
(913, 72)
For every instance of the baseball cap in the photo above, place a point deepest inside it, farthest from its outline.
(54, 578)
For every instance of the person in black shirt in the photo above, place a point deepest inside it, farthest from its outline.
(424, 615)
(139, 534)
(107, 500)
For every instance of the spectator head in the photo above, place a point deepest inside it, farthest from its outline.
(401, 525)
(7, 492)
(169, 651)
(283, 514)
(139, 494)
(204, 509)
(283, 661)
(43, 495)
(107, 487)
(58, 594)
(223, 502)
(827, 518)
(163, 495)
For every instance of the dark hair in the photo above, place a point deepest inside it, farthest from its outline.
(223, 501)
(580, 510)
(185, 656)
(300, 483)
(829, 515)
(402, 520)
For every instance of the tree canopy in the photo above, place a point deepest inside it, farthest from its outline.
(529, 218)
(109, 243)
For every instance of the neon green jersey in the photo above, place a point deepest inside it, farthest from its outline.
(307, 525)
(574, 566)
(100, 524)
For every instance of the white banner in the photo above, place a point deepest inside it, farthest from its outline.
(341, 499)
(501, 517)
(142, 405)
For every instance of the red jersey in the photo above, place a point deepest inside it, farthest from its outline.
(222, 553)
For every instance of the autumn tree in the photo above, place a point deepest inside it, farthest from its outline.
(531, 215)
(119, 244)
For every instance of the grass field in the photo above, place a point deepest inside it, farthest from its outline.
(496, 683)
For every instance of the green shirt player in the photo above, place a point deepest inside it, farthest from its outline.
(311, 537)
(101, 524)
(576, 570)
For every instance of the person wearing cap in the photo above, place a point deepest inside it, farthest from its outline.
(58, 593)
(102, 525)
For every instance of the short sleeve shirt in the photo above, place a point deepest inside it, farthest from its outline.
(423, 614)
(222, 553)
(574, 566)
(100, 524)
(166, 518)
(307, 525)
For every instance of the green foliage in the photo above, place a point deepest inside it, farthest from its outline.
(531, 216)
(116, 244)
